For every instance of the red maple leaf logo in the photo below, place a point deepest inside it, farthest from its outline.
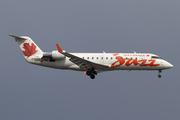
(29, 50)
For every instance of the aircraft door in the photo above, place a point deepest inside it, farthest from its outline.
(161, 63)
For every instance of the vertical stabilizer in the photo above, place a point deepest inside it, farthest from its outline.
(28, 47)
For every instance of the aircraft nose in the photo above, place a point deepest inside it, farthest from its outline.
(169, 65)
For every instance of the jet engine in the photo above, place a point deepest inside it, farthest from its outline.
(57, 56)
(54, 55)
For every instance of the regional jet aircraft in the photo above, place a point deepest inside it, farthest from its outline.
(90, 63)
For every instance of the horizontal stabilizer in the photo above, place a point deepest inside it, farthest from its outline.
(17, 37)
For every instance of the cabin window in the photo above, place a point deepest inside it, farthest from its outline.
(101, 57)
(83, 57)
(111, 58)
(97, 57)
(87, 57)
(92, 57)
(121, 58)
(106, 57)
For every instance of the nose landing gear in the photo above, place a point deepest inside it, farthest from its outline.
(159, 75)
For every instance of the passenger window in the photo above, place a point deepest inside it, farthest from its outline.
(92, 57)
(111, 58)
(101, 57)
(87, 57)
(97, 57)
(83, 57)
(106, 57)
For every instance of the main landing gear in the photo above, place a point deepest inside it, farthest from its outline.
(91, 73)
(159, 75)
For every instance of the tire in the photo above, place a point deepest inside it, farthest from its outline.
(92, 76)
(159, 76)
(88, 73)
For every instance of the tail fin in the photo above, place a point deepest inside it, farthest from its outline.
(28, 47)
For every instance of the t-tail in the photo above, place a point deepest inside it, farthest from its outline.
(32, 53)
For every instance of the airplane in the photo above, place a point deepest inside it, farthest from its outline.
(90, 63)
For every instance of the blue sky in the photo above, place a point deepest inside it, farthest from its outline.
(33, 92)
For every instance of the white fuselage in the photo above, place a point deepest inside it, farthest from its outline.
(115, 61)
(90, 63)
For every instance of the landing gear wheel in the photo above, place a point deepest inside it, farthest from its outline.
(159, 73)
(92, 76)
(88, 73)
(159, 76)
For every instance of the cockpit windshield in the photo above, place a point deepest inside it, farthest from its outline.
(155, 57)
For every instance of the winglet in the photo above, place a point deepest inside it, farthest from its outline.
(59, 49)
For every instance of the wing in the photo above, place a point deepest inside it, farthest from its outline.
(82, 63)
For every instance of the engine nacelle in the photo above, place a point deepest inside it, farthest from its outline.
(57, 56)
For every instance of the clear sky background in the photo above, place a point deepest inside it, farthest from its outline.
(29, 92)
